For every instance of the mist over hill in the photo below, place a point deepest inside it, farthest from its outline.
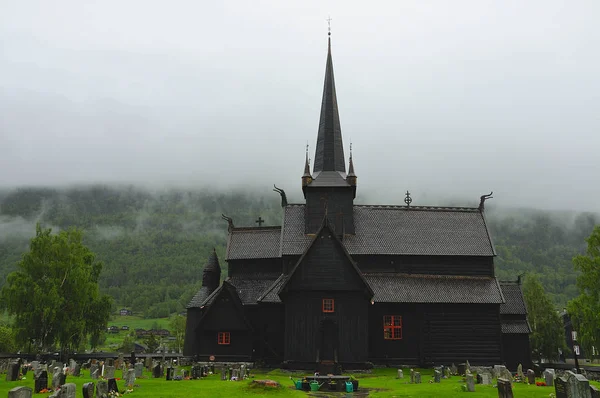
(154, 242)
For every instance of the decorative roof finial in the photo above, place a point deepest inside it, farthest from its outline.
(482, 200)
(328, 25)
(408, 199)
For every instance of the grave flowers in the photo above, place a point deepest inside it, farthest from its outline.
(540, 383)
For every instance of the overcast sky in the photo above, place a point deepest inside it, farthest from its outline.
(448, 99)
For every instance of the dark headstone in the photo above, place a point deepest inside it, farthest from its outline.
(437, 376)
(112, 385)
(24, 370)
(12, 373)
(88, 390)
(594, 392)
(20, 392)
(504, 388)
(157, 371)
(560, 387)
(41, 382)
(479, 378)
(462, 369)
(170, 373)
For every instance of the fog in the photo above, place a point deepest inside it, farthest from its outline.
(449, 100)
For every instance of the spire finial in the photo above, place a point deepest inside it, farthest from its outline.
(408, 200)
(328, 25)
(350, 149)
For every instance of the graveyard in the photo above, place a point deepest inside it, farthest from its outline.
(380, 382)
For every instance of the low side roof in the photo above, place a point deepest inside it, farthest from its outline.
(398, 230)
(519, 326)
(254, 243)
(250, 290)
(199, 297)
(408, 288)
(515, 303)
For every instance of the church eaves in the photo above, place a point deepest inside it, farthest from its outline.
(329, 155)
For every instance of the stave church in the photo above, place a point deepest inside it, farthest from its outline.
(346, 285)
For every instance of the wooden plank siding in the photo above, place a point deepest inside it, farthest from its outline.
(427, 265)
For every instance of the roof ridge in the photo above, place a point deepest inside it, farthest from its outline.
(412, 208)
(270, 227)
(429, 276)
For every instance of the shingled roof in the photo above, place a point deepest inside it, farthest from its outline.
(249, 290)
(246, 243)
(199, 297)
(400, 230)
(270, 295)
(518, 326)
(407, 288)
(515, 303)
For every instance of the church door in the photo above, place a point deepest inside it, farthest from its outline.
(328, 341)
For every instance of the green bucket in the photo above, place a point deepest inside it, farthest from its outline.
(349, 387)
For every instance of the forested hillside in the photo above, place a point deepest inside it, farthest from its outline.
(154, 244)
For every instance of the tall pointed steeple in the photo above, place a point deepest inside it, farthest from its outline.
(329, 155)
(306, 177)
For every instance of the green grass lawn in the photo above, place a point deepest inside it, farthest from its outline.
(379, 383)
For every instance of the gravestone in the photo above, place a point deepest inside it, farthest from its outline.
(130, 379)
(223, 373)
(235, 374)
(139, 369)
(462, 369)
(454, 369)
(94, 371)
(148, 364)
(530, 376)
(195, 370)
(109, 372)
(437, 376)
(578, 386)
(76, 370)
(560, 387)
(412, 376)
(88, 390)
(24, 370)
(486, 378)
(67, 390)
(12, 373)
(72, 364)
(520, 372)
(229, 373)
(156, 371)
(170, 372)
(112, 385)
(40, 382)
(102, 389)
(96, 374)
(502, 372)
(504, 388)
(470, 383)
(242, 373)
(400, 374)
(56, 378)
(478, 378)
(594, 392)
(447, 373)
(123, 370)
(417, 377)
(468, 367)
(549, 377)
(20, 392)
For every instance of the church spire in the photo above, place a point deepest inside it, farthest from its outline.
(351, 178)
(306, 177)
(329, 154)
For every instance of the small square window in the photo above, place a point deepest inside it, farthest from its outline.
(224, 338)
(392, 327)
(328, 305)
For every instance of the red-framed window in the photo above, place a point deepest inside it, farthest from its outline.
(224, 338)
(328, 305)
(392, 327)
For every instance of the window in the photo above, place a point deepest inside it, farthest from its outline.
(392, 327)
(224, 338)
(328, 305)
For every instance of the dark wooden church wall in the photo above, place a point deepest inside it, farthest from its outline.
(239, 349)
(456, 333)
(404, 351)
(340, 209)
(254, 268)
(428, 265)
(268, 324)
(516, 350)
(191, 342)
(304, 319)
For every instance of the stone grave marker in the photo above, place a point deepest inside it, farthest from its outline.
(102, 389)
(223, 373)
(530, 376)
(462, 369)
(88, 390)
(93, 368)
(156, 371)
(412, 376)
(437, 376)
(504, 388)
(170, 373)
(549, 377)
(56, 378)
(486, 378)
(139, 369)
(109, 372)
(12, 373)
(242, 373)
(95, 374)
(578, 386)
(40, 382)
(520, 372)
(148, 364)
(560, 387)
(130, 379)
(400, 374)
(594, 392)
(67, 390)
(76, 370)
(20, 392)
(470, 383)
(454, 369)
(112, 385)
(447, 373)
(417, 377)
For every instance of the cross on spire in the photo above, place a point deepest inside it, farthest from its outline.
(260, 221)
(328, 25)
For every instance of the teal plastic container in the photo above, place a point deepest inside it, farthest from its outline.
(298, 384)
(349, 387)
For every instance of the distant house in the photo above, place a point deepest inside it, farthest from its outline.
(155, 332)
(140, 348)
(113, 329)
(125, 312)
(125, 327)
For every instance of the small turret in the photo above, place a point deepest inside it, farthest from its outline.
(211, 276)
(351, 177)
(306, 177)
